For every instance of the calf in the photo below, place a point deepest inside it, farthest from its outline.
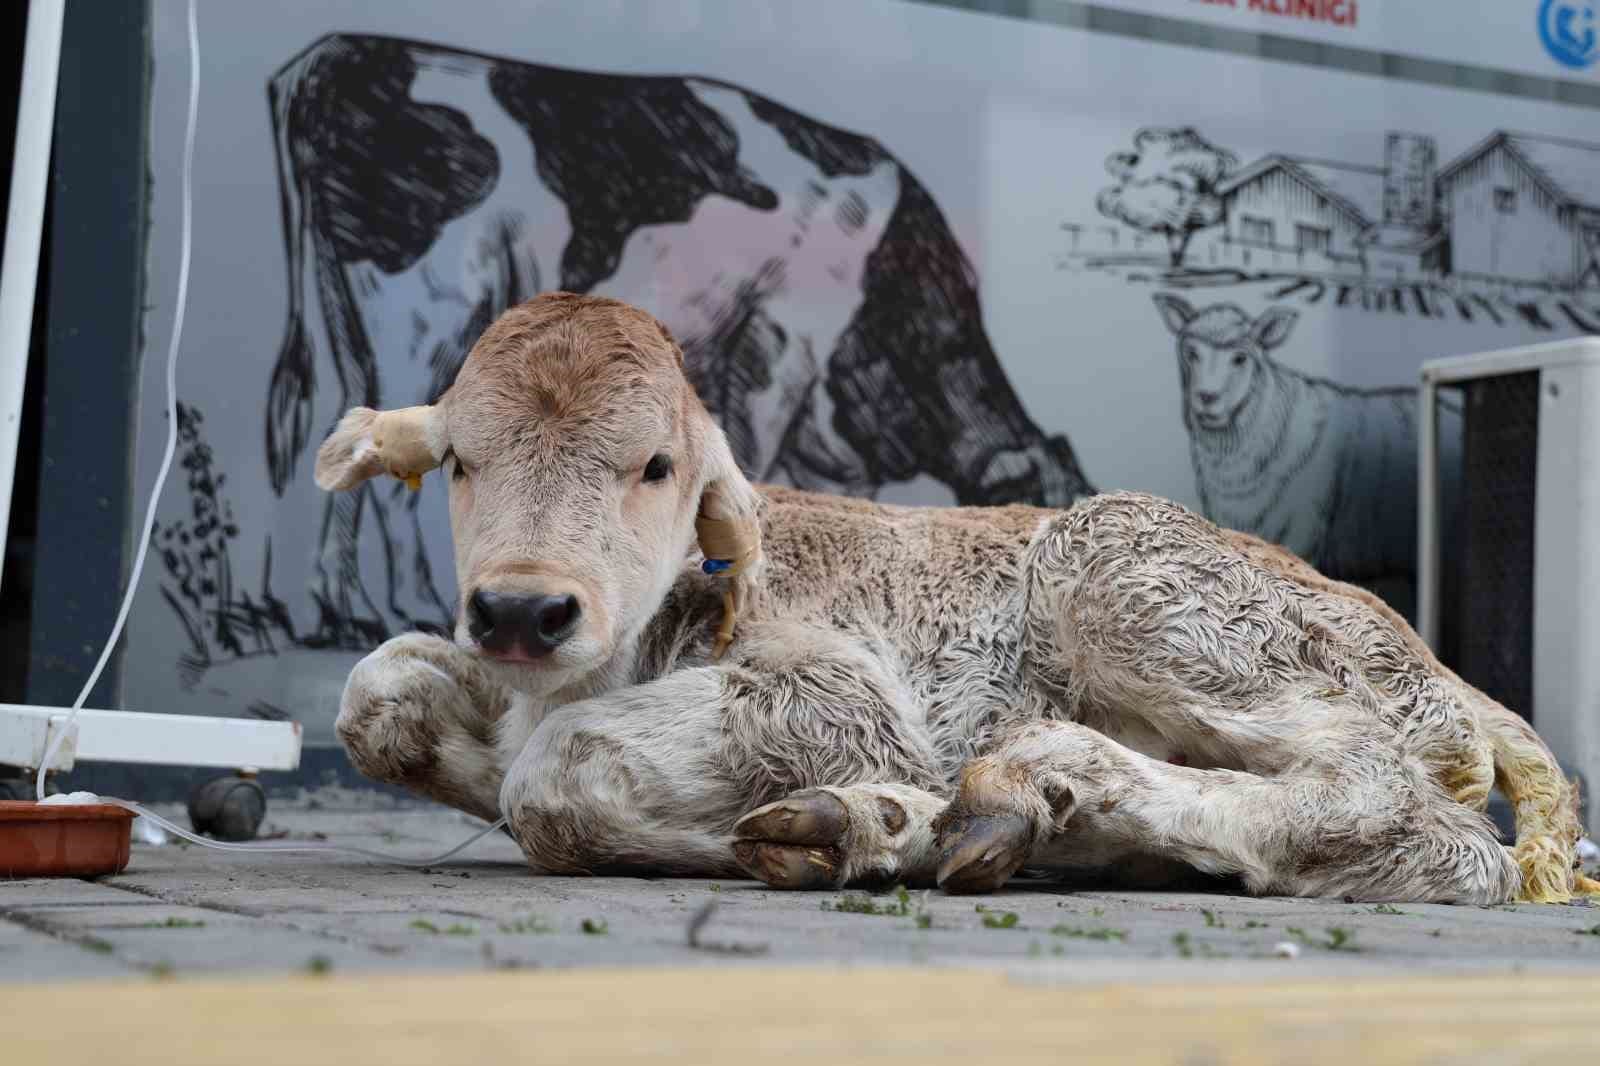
(921, 695)
(1328, 471)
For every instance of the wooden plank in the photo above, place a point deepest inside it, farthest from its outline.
(747, 1016)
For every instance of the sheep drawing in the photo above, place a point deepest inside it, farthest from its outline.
(1327, 471)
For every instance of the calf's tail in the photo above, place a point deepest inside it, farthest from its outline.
(1545, 804)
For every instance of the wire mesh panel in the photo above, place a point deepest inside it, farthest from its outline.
(1487, 616)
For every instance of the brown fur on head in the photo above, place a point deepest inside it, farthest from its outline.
(577, 457)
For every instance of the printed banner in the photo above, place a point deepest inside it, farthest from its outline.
(927, 257)
(1544, 38)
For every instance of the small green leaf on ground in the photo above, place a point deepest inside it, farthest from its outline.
(1338, 938)
(1089, 933)
(1188, 948)
(900, 905)
(853, 905)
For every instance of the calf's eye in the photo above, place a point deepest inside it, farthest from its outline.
(1238, 358)
(658, 468)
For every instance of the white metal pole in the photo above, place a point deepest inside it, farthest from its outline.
(19, 273)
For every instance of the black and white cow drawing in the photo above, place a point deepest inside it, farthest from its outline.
(830, 318)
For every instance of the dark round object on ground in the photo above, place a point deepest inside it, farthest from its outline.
(18, 785)
(228, 808)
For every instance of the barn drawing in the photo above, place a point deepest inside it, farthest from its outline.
(1507, 233)
(1333, 218)
(1525, 210)
(1283, 211)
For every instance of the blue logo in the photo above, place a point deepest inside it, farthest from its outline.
(1568, 30)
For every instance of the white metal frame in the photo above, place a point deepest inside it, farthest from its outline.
(25, 730)
(1566, 549)
(1455, 371)
(19, 274)
(150, 739)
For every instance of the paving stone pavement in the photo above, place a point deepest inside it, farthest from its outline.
(189, 911)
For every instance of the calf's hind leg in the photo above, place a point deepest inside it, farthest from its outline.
(1057, 794)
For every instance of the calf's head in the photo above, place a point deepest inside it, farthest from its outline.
(578, 461)
(1221, 353)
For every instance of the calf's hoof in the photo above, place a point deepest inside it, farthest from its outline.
(783, 866)
(855, 835)
(980, 853)
(808, 817)
(793, 843)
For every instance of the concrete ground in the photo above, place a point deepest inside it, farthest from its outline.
(186, 911)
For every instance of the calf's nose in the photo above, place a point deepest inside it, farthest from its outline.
(1207, 398)
(516, 625)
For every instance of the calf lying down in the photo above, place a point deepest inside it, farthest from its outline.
(924, 696)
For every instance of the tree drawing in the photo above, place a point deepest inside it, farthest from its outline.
(1167, 185)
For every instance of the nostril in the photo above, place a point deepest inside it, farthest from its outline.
(521, 627)
(480, 615)
(557, 615)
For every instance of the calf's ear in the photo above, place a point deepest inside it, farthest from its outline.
(405, 444)
(729, 519)
(728, 526)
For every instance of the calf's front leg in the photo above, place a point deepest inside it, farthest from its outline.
(421, 713)
(652, 778)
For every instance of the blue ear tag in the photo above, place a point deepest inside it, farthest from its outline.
(716, 566)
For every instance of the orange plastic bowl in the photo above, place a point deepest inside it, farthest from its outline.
(63, 840)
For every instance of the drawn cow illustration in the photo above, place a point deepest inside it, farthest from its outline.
(828, 316)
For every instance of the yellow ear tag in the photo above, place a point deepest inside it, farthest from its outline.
(729, 545)
(413, 482)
